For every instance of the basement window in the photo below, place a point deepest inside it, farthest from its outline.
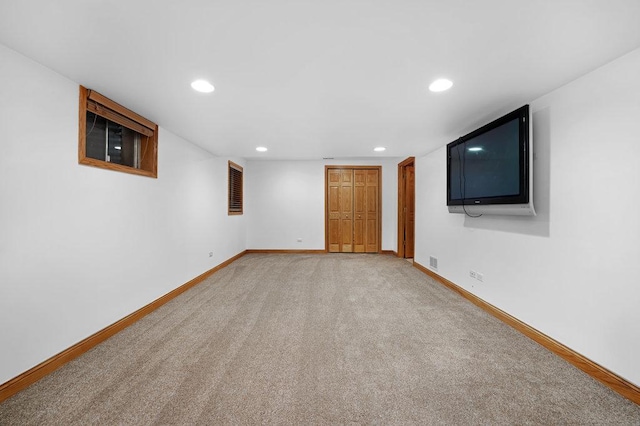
(115, 138)
(235, 188)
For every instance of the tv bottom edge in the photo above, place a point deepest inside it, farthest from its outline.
(496, 209)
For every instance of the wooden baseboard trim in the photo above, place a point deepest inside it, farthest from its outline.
(284, 251)
(36, 373)
(598, 372)
(303, 251)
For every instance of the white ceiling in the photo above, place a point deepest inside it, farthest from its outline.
(313, 79)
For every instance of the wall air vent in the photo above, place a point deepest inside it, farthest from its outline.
(433, 262)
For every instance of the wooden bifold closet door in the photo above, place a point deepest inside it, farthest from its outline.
(353, 209)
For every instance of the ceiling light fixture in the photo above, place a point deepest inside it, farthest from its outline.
(379, 149)
(440, 85)
(202, 86)
(261, 149)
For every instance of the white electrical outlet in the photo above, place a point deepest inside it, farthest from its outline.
(479, 276)
(210, 254)
(299, 240)
(472, 274)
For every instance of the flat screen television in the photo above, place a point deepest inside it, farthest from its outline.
(489, 171)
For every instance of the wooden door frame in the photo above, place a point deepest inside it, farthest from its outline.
(326, 202)
(401, 200)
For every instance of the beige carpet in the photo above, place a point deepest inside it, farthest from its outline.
(318, 339)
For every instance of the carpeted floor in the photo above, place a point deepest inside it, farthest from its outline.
(318, 339)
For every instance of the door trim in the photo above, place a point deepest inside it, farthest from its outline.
(326, 201)
(401, 201)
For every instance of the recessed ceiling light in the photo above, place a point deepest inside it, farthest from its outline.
(440, 85)
(379, 149)
(261, 149)
(202, 86)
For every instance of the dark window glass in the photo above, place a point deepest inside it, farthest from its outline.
(112, 142)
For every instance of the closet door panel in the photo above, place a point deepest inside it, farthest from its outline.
(372, 214)
(352, 210)
(359, 212)
(334, 179)
(346, 211)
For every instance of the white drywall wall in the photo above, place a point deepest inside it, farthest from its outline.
(573, 271)
(285, 201)
(81, 247)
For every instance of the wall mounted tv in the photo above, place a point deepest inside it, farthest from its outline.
(490, 170)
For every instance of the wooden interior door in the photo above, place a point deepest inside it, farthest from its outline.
(360, 210)
(410, 211)
(340, 210)
(334, 179)
(373, 215)
(353, 211)
(346, 211)
(406, 208)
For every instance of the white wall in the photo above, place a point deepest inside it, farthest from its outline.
(285, 201)
(81, 247)
(573, 271)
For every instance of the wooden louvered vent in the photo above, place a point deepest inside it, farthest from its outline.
(235, 188)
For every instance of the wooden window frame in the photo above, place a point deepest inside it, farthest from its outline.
(92, 101)
(233, 167)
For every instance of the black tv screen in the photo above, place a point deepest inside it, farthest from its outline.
(491, 164)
